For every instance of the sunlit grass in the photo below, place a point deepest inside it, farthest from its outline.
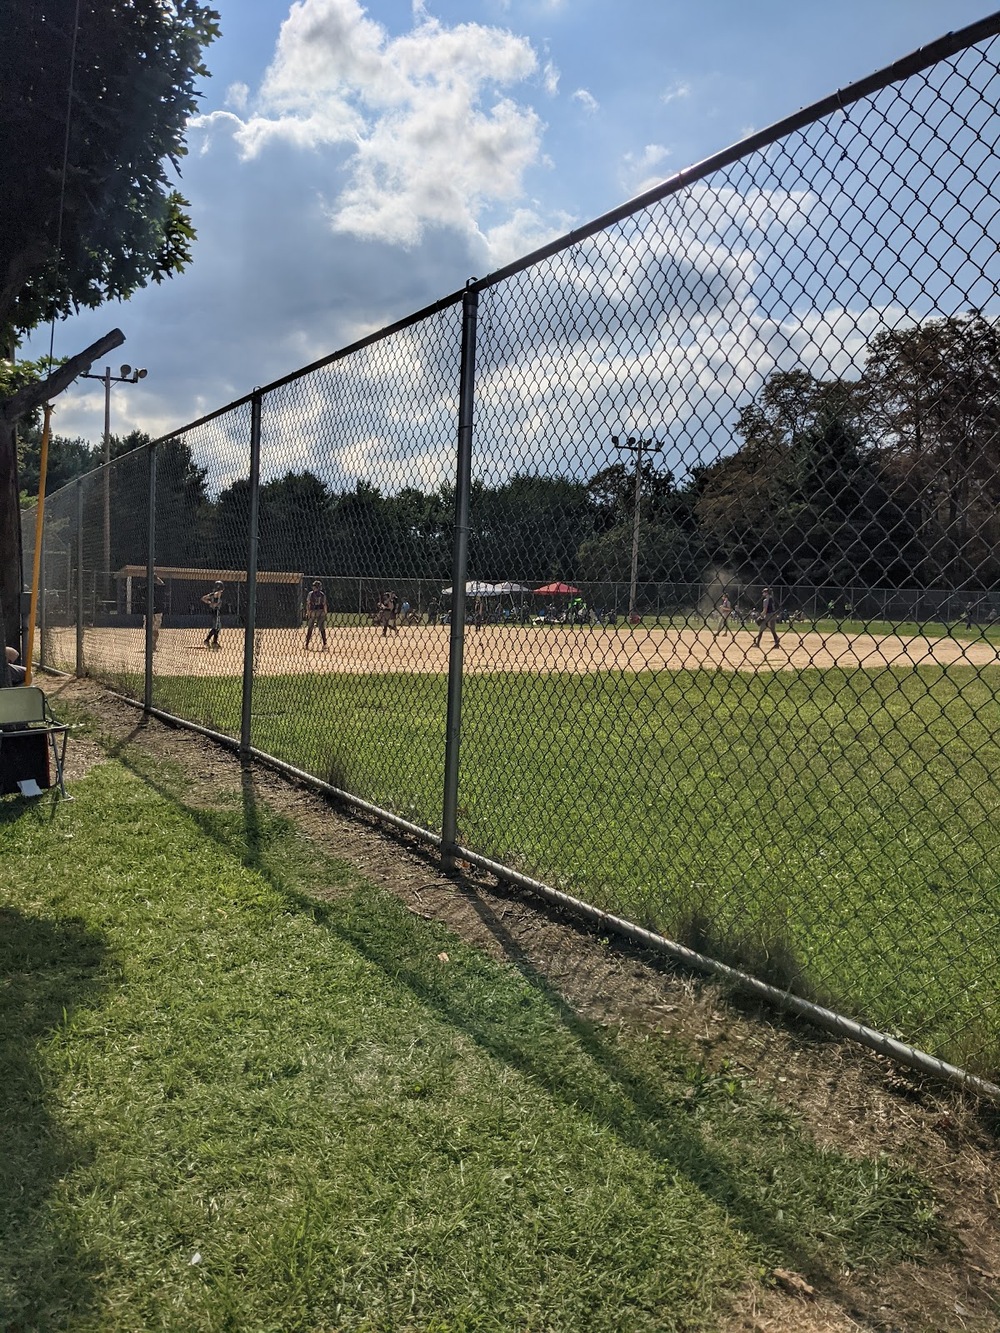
(225, 1104)
(834, 830)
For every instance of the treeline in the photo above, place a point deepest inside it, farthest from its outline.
(888, 479)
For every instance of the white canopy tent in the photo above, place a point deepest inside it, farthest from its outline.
(476, 589)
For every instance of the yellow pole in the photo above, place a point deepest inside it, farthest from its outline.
(43, 465)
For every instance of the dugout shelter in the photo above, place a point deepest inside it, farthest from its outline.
(279, 596)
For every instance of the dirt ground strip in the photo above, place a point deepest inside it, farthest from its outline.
(586, 648)
(849, 1099)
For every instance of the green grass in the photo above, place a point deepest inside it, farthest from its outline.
(923, 629)
(835, 831)
(226, 1105)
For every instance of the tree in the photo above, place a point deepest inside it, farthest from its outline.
(933, 402)
(669, 549)
(529, 529)
(803, 499)
(109, 222)
(113, 222)
(68, 459)
(294, 522)
(183, 511)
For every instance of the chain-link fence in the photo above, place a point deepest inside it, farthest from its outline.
(661, 568)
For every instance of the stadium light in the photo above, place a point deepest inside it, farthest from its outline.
(128, 375)
(638, 447)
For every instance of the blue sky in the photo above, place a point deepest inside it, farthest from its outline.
(352, 164)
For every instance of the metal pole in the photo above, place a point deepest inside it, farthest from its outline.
(80, 667)
(636, 446)
(107, 480)
(37, 573)
(147, 691)
(69, 581)
(634, 576)
(251, 614)
(459, 570)
(43, 636)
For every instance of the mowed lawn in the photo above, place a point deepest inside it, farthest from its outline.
(834, 831)
(225, 1104)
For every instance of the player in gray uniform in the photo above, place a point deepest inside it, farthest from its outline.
(316, 612)
(213, 600)
(768, 617)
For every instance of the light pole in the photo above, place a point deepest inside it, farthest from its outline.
(638, 447)
(126, 376)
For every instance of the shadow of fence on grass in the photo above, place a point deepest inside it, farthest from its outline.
(579, 1063)
(536, 1031)
(47, 969)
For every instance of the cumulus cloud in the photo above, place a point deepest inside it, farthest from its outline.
(237, 96)
(645, 169)
(424, 125)
(522, 232)
(550, 78)
(587, 100)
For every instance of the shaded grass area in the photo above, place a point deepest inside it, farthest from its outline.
(834, 831)
(225, 1104)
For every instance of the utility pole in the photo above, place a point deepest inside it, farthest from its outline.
(127, 376)
(638, 447)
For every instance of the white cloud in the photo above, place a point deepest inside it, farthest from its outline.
(425, 131)
(676, 92)
(550, 78)
(237, 96)
(644, 170)
(520, 234)
(212, 121)
(587, 100)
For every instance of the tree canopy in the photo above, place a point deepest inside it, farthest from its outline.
(113, 221)
(90, 214)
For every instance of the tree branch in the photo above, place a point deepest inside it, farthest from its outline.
(33, 395)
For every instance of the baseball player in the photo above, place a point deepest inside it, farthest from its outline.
(316, 613)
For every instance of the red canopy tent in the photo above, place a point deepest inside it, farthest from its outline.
(552, 589)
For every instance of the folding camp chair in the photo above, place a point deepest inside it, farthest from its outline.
(28, 733)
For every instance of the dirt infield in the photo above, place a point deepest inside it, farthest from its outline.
(424, 649)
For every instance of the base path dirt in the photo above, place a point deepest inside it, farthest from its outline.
(424, 649)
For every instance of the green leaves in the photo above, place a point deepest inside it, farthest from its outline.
(108, 223)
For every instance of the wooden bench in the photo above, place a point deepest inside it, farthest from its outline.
(28, 734)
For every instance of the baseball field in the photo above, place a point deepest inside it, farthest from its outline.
(579, 649)
(825, 812)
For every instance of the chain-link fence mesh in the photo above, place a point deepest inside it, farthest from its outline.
(201, 587)
(730, 602)
(356, 461)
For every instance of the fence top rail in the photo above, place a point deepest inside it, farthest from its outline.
(948, 45)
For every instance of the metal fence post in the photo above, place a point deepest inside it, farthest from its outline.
(251, 609)
(80, 666)
(43, 646)
(459, 569)
(147, 692)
